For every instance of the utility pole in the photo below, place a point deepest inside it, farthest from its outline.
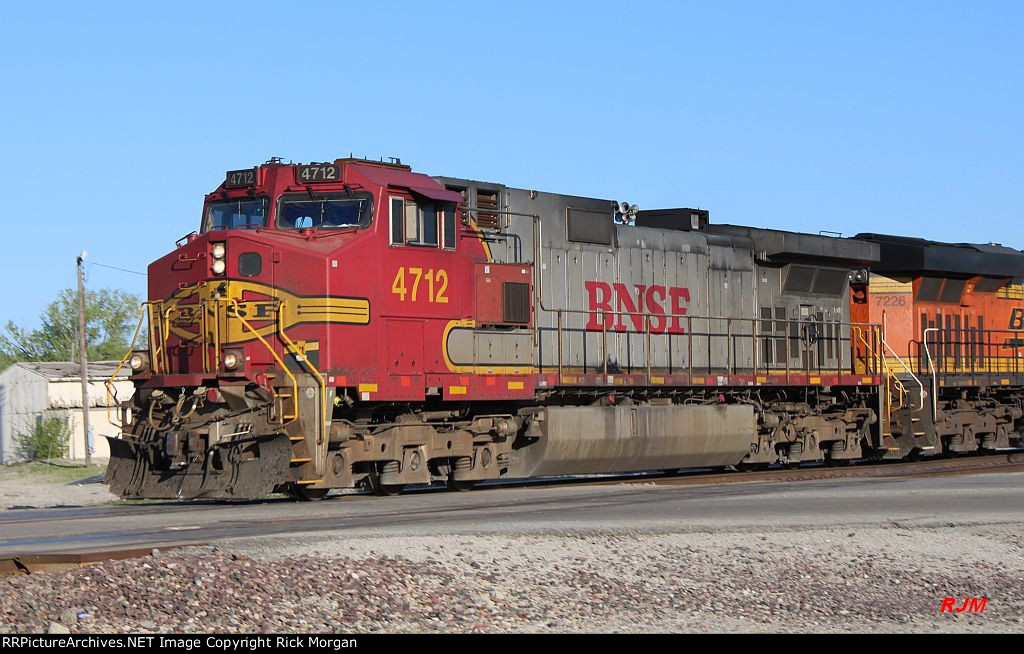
(83, 357)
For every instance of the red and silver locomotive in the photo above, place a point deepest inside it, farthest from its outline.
(355, 323)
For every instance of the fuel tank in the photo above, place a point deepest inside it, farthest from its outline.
(606, 439)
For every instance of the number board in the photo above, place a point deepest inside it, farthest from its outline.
(238, 178)
(317, 173)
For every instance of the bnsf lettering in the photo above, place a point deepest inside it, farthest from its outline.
(1017, 319)
(667, 304)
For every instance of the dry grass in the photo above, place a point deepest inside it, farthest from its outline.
(57, 473)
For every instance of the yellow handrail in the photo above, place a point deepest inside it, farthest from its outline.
(109, 384)
(158, 352)
(300, 356)
(165, 330)
(891, 379)
(295, 386)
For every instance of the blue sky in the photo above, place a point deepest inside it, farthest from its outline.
(116, 118)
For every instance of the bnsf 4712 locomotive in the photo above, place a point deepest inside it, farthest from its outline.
(354, 323)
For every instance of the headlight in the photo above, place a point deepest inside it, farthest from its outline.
(218, 251)
(232, 360)
(218, 267)
(138, 362)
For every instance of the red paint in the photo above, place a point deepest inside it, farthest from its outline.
(362, 263)
(616, 302)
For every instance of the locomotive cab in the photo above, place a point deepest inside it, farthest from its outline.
(250, 317)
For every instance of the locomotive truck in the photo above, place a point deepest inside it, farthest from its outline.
(354, 323)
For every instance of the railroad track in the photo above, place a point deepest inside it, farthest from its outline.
(1006, 462)
(60, 538)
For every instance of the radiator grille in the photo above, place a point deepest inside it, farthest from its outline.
(487, 200)
(517, 303)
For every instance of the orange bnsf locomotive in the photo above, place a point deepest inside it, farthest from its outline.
(357, 324)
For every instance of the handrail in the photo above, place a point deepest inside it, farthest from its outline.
(931, 369)
(893, 379)
(158, 353)
(649, 318)
(883, 365)
(668, 316)
(907, 368)
(870, 356)
(295, 386)
(322, 427)
(109, 384)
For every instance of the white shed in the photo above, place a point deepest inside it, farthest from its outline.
(30, 391)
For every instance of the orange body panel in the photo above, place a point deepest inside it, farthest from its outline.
(974, 332)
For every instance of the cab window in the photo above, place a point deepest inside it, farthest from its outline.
(324, 210)
(448, 227)
(423, 223)
(413, 223)
(249, 213)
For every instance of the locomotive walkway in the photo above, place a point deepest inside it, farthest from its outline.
(935, 491)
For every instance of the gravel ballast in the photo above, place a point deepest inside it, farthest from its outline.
(877, 579)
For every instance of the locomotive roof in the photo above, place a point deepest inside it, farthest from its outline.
(779, 245)
(918, 255)
(415, 182)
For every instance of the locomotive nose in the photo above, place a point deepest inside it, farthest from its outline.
(201, 257)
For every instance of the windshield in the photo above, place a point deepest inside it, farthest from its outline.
(236, 214)
(325, 211)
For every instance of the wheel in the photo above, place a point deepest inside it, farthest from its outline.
(460, 486)
(303, 493)
(383, 490)
(833, 462)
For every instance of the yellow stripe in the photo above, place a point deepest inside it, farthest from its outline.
(297, 310)
(1011, 292)
(815, 380)
(886, 285)
(478, 370)
(483, 239)
(657, 380)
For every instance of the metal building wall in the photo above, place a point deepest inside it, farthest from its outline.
(23, 398)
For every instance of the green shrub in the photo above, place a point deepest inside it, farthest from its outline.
(47, 439)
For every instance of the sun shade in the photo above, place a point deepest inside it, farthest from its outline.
(415, 182)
